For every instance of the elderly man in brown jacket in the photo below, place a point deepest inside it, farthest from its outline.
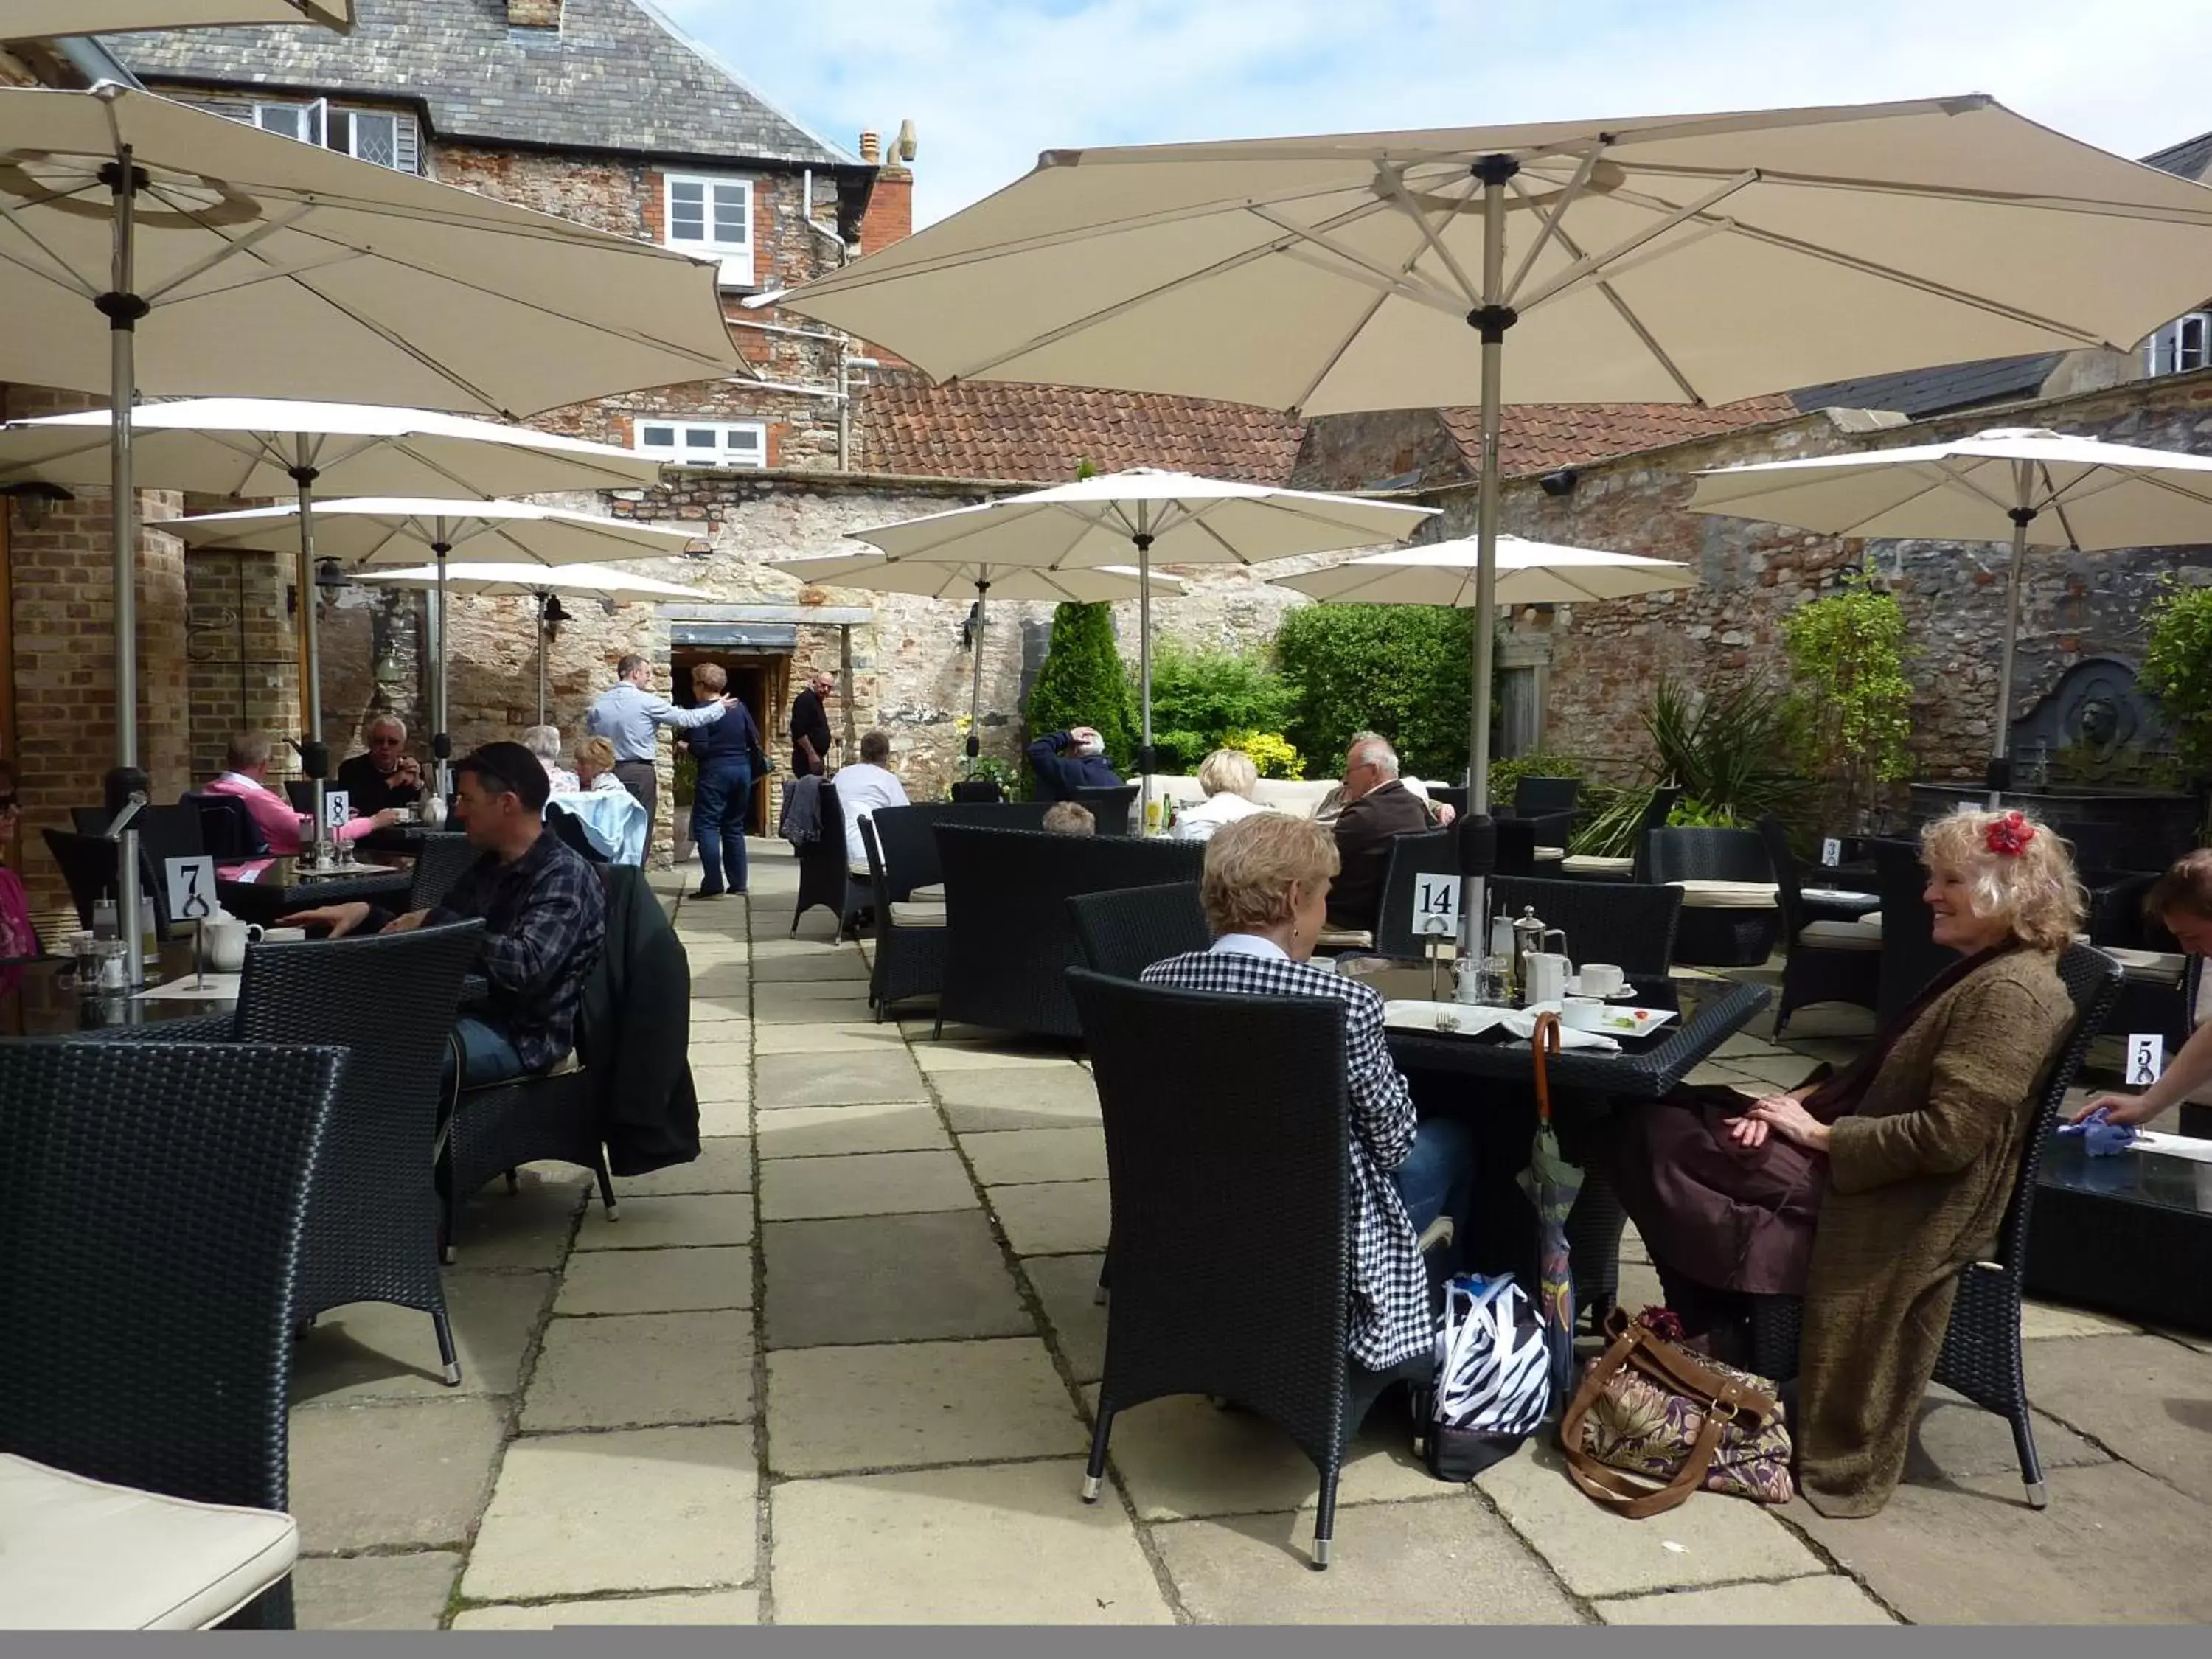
(1377, 809)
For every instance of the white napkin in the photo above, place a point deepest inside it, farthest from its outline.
(218, 988)
(1523, 1023)
(2197, 1152)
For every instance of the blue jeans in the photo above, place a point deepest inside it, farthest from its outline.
(718, 822)
(487, 1055)
(1437, 1177)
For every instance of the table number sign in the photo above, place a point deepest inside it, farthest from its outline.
(1435, 905)
(1831, 852)
(191, 887)
(338, 810)
(2146, 1058)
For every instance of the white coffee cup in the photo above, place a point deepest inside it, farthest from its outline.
(225, 943)
(1602, 979)
(1547, 976)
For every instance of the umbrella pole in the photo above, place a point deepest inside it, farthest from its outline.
(975, 688)
(1143, 541)
(543, 600)
(2022, 515)
(1492, 318)
(313, 756)
(123, 308)
(441, 744)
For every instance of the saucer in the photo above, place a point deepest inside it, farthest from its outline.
(1575, 989)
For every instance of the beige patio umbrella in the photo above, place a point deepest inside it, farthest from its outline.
(878, 573)
(1528, 573)
(1180, 518)
(39, 19)
(362, 533)
(541, 582)
(1688, 258)
(2010, 483)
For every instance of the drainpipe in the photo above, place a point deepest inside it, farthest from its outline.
(844, 340)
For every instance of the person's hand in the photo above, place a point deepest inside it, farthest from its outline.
(1747, 1132)
(340, 919)
(386, 819)
(1082, 735)
(408, 923)
(1445, 814)
(409, 771)
(1786, 1116)
(732, 700)
(2118, 1109)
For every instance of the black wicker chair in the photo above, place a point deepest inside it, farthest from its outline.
(978, 792)
(1547, 805)
(87, 867)
(439, 861)
(1909, 956)
(300, 792)
(1006, 893)
(1626, 924)
(165, 832)
(1110, 805)
(388, 1000)
(1123, 932)
(1981, 1356)
(1813, 972)
(1416, 853)
(901, 852)
(1204, 1303)
(570, 829)
(153, 1237)
(227, 829)
(1730, 937)
(825, 875)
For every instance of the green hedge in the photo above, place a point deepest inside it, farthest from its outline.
(1200, 697)
(1401, 670)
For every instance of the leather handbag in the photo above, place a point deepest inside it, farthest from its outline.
(1652, 1423)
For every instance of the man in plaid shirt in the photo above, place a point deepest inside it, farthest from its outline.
(543, 910)
(1265, 890)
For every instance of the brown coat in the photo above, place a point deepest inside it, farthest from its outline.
(1918, 1179)
(1363, 833)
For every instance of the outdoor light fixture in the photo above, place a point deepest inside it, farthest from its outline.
(33, 501)
(329, 577)
(972, 627)
(1561, 482)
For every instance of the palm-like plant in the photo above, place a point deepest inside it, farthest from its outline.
(1727, 750)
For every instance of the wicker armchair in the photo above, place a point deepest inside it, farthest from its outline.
(1204, 1303)
(1909, 955)
(1111, 806)
(1124, 932)
(1832, 962)
(1981, 1356)
(88, 866)
(441, 860)
(1728, 937)
(910, 952)
(1006, 893)
(1413, 854)
(1627, 924)
(388, 1000)
(158, 1196)
(227, 829)
(825, 874)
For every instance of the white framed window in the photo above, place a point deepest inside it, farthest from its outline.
(713, 217)
(304, 122)
(2182, 345)
(385, 136)
(705, 443)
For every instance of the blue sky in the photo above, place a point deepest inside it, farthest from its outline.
(988, 84)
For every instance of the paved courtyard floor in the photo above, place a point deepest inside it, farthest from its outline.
(839, 1370)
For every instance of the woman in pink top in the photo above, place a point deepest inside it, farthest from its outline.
(18, 938)
(246, 767)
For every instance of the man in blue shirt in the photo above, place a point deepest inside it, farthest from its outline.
(1065, 761)
(626, 717)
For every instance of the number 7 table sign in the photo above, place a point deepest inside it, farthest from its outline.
(191, 888)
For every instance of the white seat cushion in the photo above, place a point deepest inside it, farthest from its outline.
(1345, 938)
(858, 869)
(2153, 967)
(1726, 895)
(1588, 863)
(1841, 935)
(1552, 856)
(913, 914)
(931, 893)
(79, 1555)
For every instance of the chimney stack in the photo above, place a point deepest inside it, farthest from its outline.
(890, 217)
(534, 14)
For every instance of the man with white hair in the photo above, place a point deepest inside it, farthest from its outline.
(388, 775)
(1065, 761)
(1377, 808)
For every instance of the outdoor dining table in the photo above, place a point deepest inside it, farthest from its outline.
(278, 889)
(2130, 1234)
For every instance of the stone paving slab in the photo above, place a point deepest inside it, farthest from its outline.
(721, 1010)
(1005, 1156)
(711, 1051)
(1784, 1071)
(1064, 1110)
(854, 1039)
(960, 1058)
(841, 964)
(642, 1371)
(1710, 1540)
(863, 1184)
(1065, 1089)
(2147, 1399)
(1067, 1287)
(636, 1510)
(529, 1228)
(770, 1009)
(836, 1411)
(401, 1473)
(656, 1281)
(2039, 1320)
(887, 1278)
(724, 982)
(1828, 1600)
(1445, 1563)
(721, 1120)
(379, 1351)
(1183, 1458)
(830, 1131)
(1953, 1437)
(723, 1165)
(836, 1079)
(1060, 1217)
(1011, 1544)
(713, 1607)
(2115, 1548)
(374, 1592)
(679, 1220)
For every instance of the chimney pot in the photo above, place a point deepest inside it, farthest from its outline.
(872, 149)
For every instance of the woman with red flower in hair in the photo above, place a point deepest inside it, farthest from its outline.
(1867, 1192)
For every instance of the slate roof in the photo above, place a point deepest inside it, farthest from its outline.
(1931, 390)
(1042, 434)
(1538, 437)
(2190, 158)
(617, 75)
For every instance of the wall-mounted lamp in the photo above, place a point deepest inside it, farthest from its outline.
(1561, 482)
(552, 614)
(33, 500)
(330, 580)
(972, 627)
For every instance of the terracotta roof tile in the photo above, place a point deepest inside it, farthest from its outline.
(1537, 437)
(1041, 433)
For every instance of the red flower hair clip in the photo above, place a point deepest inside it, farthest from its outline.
(2010, 836)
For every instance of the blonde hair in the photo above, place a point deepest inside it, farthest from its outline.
(599, 751)
(1230, 770)
(1070, 818)
(1251, 864)
(2034, 892)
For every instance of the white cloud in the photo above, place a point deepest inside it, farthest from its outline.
(988, 85)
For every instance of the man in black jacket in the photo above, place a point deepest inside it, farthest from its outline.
(1065, 761)
(1377, 810)
(810, 726)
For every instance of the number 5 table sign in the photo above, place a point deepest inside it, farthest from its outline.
(2146, 1058)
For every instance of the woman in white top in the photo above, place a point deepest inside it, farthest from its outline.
(544, 742)
(1229, 778)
